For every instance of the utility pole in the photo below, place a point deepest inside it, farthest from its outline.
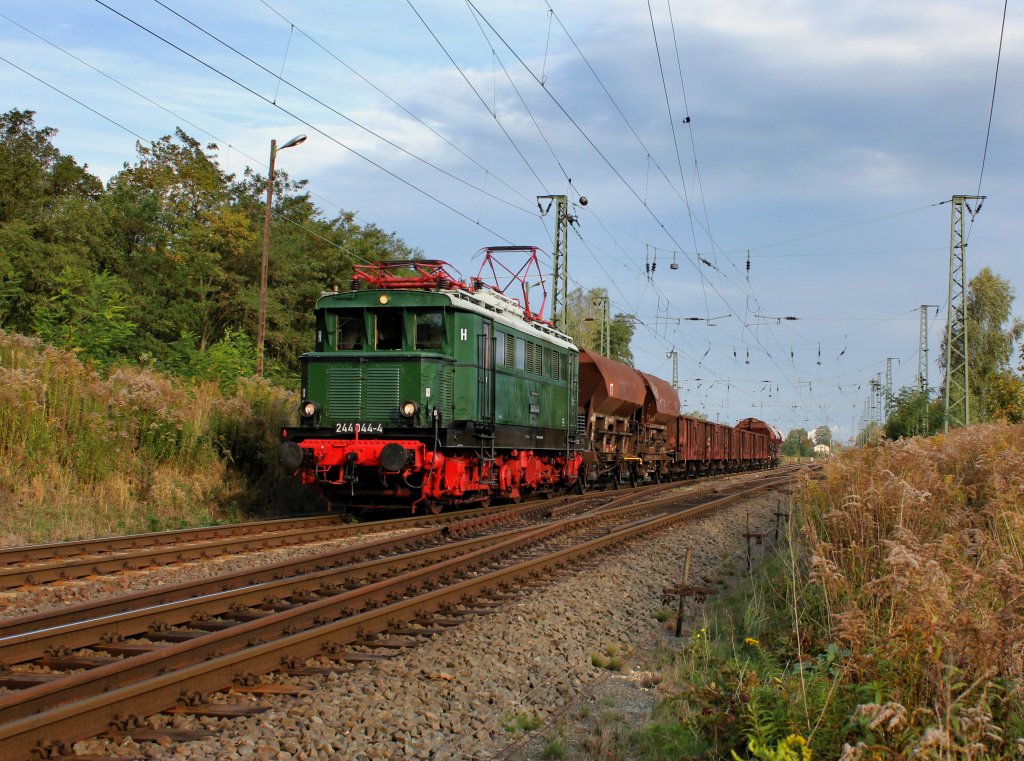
(922, 366)
(674, 356)
(560, 257)
(888, 385)
(261, 330)
(606, 325)
(958, 408)
(879, 406)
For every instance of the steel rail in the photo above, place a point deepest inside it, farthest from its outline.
(466, 521)
(134, 558)
(82, 632)
(153, 682)
(310, 615)
(36, 552)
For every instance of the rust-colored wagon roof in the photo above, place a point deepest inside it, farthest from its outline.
(610, 387)
(662, 403)
(761, 427)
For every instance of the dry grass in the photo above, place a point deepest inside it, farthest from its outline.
(916, 548)
(86, 455)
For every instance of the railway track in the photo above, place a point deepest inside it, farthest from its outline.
(137, 660)
(63, 561)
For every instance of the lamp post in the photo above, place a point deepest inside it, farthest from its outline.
(262, 331)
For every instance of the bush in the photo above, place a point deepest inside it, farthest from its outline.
(88, 453)
(887, 628)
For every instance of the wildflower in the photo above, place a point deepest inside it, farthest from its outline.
(751, 641)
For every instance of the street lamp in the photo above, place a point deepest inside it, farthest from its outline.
(261, 334)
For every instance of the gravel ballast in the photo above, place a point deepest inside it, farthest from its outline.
(469, 692)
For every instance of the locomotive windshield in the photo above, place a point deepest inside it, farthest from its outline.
(388, 329)
(351, 330)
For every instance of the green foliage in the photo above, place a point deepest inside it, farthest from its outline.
(798, 444)
(913, 415)
(520, 722)
(992, 333)
(86, 455)
(87, 315)
(174, 243)
(228, 361)
(555, 747)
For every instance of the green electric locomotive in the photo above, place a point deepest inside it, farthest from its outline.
(427, 390)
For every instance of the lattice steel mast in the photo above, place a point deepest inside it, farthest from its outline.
(957, 407)
(559, 260)
(922, 366)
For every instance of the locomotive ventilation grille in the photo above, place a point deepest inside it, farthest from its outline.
(381, 399)
(357, 394)
(344, 393)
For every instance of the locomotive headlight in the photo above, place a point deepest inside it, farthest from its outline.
(408, 409)
(308, 410)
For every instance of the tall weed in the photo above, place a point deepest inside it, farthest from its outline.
(890, 626)
(87, 454)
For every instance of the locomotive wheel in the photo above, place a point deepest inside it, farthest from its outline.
(435, 508)
(657, 477)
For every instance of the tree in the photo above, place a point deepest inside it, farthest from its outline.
(185, 239)
(49, 218)
(797, 444)
(87, 315)
(585, 310)
(992, 332)
(33, 172)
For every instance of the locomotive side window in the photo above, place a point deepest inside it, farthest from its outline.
(388, 329)
(429, 330)
(499, 348)
(520, 353)
(351, 331)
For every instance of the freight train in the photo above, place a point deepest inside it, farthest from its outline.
(429, 391)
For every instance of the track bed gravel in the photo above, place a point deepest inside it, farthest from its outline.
(32, 599)
(464, 693)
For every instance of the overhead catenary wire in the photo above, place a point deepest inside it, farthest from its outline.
(419, 120)
(177, 116)
(308, 124)
(335, 111)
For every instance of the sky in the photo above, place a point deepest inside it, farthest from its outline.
(821, 141)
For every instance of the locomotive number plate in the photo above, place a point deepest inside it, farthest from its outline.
(359, 428)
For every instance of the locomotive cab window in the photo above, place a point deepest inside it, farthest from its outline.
(429, 329)
(388, 329)
(351, 330)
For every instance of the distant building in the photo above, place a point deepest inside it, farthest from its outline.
(822, 449)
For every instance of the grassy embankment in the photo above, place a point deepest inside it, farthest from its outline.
(89, 454)
(890, 626)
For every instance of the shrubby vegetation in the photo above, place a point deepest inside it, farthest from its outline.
(91, 454)
(887, 628)
(132, 405)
